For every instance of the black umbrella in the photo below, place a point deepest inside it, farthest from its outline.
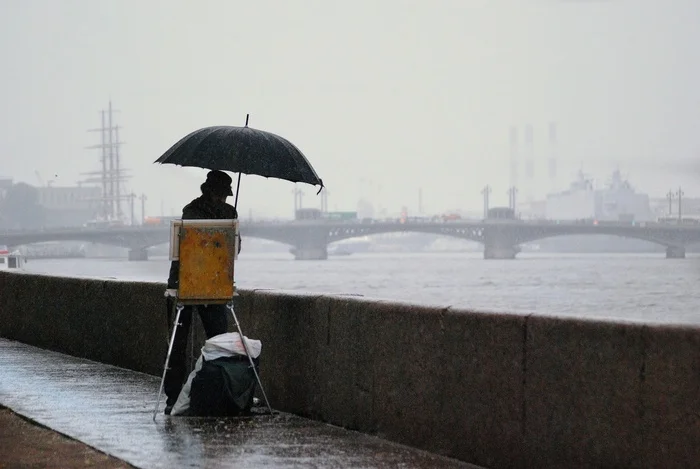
(242, 150)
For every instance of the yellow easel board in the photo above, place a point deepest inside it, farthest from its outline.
(207, 251)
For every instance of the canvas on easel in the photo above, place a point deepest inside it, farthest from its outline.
(206, 250)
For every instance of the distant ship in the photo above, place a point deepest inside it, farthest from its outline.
(617, 201)
(387, 242)
(54, 250)
(346, 247)
(10, 260)
(402, 242)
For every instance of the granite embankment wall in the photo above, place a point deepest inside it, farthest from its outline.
(497, 390)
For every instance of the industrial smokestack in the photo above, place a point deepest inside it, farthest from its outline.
(553, 154)
(513, 156)
(529, 165)
(530, 152)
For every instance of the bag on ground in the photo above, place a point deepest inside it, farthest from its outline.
(223, 382)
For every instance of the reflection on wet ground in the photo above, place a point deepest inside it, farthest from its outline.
(111, 409)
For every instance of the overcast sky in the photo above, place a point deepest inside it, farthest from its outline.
(383, 96)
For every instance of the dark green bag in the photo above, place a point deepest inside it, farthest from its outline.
(223, 387)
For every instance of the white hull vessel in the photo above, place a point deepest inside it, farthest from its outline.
(10, 260)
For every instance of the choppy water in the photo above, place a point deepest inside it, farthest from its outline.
(631, 286)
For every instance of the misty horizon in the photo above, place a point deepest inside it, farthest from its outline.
(386, 99)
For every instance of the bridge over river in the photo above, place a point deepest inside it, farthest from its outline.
(310, 239)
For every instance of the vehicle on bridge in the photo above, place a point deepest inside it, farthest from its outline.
(103, 224)
(448, 217)
(308, 214)
(501, 214)
(675, 221)
(340, 216)
(418, 220)
(316, 214)
(159, 221)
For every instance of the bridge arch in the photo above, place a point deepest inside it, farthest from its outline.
(625, 235)
(475, 233)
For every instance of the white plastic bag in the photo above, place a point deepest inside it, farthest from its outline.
(228, 344)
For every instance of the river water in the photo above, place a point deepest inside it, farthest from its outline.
(644, 287)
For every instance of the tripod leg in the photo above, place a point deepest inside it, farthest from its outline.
(195, 312)
(247, 352)
(180, 307)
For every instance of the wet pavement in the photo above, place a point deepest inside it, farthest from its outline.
(111, 409)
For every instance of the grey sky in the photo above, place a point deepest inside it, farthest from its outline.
(383, 96)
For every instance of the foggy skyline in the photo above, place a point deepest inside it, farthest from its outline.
(384, 98)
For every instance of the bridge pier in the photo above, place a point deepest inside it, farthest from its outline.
(675, 252)
(500, 251)
(310, 253)
(138, 254)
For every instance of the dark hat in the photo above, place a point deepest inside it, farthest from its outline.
(219, 182)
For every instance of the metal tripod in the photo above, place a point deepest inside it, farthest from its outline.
(176, 323)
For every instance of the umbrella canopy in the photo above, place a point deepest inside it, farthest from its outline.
(242, 150)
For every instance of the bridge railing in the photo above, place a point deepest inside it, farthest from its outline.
(684, 224)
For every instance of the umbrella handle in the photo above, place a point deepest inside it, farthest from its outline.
(238, 185)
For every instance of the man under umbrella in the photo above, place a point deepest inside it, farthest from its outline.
(210, 205)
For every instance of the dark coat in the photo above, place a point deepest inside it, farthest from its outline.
(202, 208)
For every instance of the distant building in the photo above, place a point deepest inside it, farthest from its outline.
(307, 214)
(5, 184)
(532, 209)
(690, 207)
(501, 213)
(365, 209)
(617, 201)
(69, 206)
